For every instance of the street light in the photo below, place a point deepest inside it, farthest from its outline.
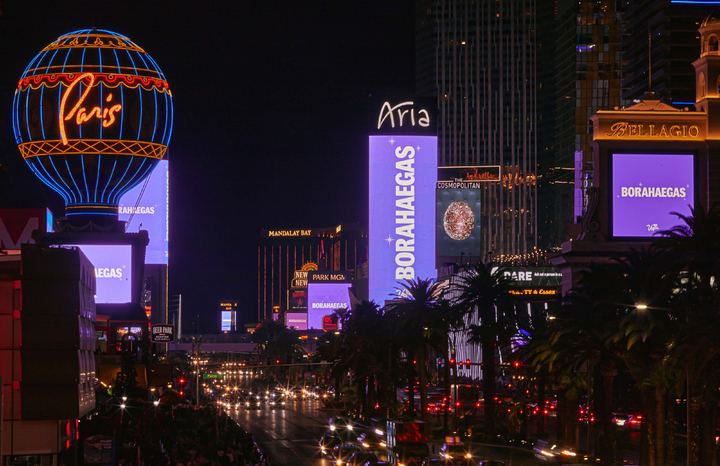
(122, 406)
(156, 402)
(641, 307)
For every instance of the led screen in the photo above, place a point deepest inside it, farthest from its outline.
(298, 320)
(113, 271)
(646, 188)
(151, 212)
(403, 173)
(323, 299)
(226, 321)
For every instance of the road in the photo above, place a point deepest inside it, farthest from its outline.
(290, 436)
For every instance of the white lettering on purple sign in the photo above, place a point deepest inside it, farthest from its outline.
(405, 213)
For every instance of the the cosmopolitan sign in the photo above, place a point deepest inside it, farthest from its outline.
(403, 173)
(646, 188)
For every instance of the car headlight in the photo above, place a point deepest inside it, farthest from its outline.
(365, 445)
(383, 444)
(468, 455)
(379, 432)
(332, 428)
(349, 427)
(568, 453)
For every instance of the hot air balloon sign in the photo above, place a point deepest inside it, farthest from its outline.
(92, 116)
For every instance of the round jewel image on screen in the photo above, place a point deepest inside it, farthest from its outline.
(459, 220)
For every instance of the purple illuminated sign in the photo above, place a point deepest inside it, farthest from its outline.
(113, 271)
(323, 299)
(646, 188)
(297, 320)
(403, 173)
(150, 213)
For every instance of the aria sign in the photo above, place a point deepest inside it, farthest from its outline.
(403, 114)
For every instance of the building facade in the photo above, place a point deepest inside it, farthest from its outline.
(589, 66)
(282, 252)
(481, 61)
(668, 30)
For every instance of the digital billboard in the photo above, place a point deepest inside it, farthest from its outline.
(646, 188)
(458, 214)
(226, 321)
(323, 299)
(113, 271)
(297, 320)
(403, 173)
(148, 210)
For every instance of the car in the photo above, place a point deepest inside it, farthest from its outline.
(252, 402)
(455, 453)
(360, 458)
(621, 419)
(546, 451)
(371, 441)
(341, 453)
(328, 443)
(276, 402)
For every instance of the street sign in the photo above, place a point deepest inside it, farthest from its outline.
(212, 376)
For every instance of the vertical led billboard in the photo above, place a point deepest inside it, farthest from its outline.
(324, 299)
(403, 173)
(646, 188)
(113, 271)
(149, 211)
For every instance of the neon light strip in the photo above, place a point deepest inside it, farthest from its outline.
(42, 126)
(102, 196)
(140, 119)
(112, 191)
(61, 179)
(15, 119)
(51, 183)
(40, 60)
(77, 188)
(97, 178)
(683, 103)
(100, 59)
(82, 60)
(27, 119)
(131, 182)
(156, 115)
(82, 163)
(163, 140)
(65, 62)
(132, 61)
(51, 60)
(45, 180)
(157, 67)
(117, 60)
(110, 80)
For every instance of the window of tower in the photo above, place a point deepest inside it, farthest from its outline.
(712, 44)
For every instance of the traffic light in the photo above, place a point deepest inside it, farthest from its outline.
(452, 361)
(277, 361)
(460, 364)
(467, 362)
(517, 364)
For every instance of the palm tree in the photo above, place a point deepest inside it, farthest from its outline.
(480, 289)
(695, 245)
(417, 312)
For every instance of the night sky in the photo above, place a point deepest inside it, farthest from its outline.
(271, 112)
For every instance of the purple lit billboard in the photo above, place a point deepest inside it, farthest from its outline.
(150, 212)
(323, 299)
(297, 320)
(646, 188)
(113, 271)
(403, 173)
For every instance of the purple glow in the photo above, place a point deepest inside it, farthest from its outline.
(646, 188)
(403, 174)
(323, 299)
(151, 212)
(226, 321)
(113, 271)
(299, 320)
